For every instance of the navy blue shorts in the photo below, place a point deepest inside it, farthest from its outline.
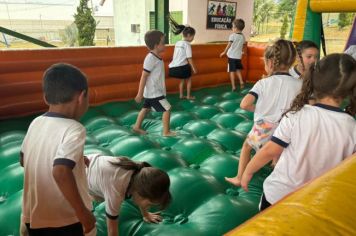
(159, 104)
(69, 230)
(180, 72)
(234, 65)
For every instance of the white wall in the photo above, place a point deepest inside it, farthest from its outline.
(194, 13)
(125, 14)
(196, 16)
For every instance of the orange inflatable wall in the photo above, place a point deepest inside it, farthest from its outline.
(113, 73)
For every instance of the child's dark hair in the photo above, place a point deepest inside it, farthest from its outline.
(239, 24)
(284, 55)
(153, 38)
(333, 76)
(177, 28)
(147, 181)
(301, 46)
(61, 82)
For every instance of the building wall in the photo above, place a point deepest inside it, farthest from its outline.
(196, 16)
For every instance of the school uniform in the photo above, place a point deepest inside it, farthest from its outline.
(274, 96)
(51, 140)
(155, 89)
(234, 53)
(315, 139)
(179, 67)
(108, 182)
(293, 71)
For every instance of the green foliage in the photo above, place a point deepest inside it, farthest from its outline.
(262, 10)
(284, 27)
(345, 19)
(70, 35)
(85, 23)
(286, 7)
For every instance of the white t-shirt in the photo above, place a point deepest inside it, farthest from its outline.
(351, 51)
(182, 51)
(237, 41)
(51, 140)
(155, 84)
(294, 72)
(316, 139)
(274, 95)
(108, 181)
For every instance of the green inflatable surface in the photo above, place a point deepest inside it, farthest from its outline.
(210, 129)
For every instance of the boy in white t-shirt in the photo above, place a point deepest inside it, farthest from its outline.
(55, 195)
(234, 50)
(310, 139)
(152, 84)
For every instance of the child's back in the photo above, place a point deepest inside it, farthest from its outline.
(274, 96)
(329, 135)
(50, 139)
(55, 196)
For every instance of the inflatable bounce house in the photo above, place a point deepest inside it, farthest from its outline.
(211, 130)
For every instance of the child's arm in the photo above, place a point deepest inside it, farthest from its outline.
(141, 87)
(247, 103)
(150, 217)
(190, 61)
(270, 151)
(65, 180)
(227, 48)
(113, 226)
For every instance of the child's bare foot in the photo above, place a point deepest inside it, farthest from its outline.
(139, 131)
(233, 89)
(169, 134)
(242, 85)
(182, 97)
(235, 181)
(190, 97)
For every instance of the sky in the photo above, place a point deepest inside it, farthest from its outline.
(48, 9)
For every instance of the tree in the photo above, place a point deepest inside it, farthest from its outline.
(284, 27)
(345, 19)
(85, 23)
(286, 7)
(70, 35)
(261, 11)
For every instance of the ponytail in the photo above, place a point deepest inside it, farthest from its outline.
(128, 164)
(178, 29)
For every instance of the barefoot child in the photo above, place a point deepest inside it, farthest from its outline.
(310, 139)
(233, 51)
(152, 84)
(182, 64)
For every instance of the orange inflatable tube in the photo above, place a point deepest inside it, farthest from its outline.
(113, 73)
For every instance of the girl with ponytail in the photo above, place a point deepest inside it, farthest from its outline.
(182, 63)
(311, 139)
(114, 179)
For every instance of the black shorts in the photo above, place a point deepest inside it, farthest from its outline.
(180, 72)
(159, 104)
(264, 203)
(69, 230)
(234, 65)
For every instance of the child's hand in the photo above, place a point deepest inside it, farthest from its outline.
(138, 98)
(88, 220)
(245, 180)
(23, 230)
(195, 71)
(152, 217)
(222, 54)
